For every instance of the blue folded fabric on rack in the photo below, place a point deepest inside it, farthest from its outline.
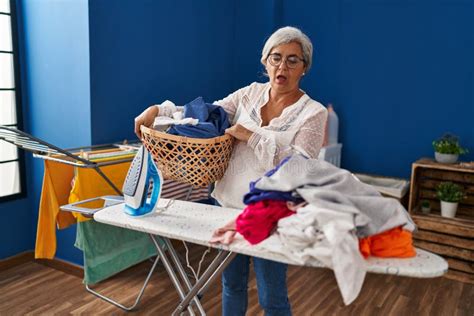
(213, 120)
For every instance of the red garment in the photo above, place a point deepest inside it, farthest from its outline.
(258, 220)
(393, 243)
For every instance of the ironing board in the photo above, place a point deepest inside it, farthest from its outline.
(194, 223)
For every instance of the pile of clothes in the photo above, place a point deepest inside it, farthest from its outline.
(196, 119)
(310, 210)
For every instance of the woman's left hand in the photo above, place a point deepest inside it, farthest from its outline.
(239, 132)
(224, 235)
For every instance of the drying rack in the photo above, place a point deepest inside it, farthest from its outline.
(72, 156)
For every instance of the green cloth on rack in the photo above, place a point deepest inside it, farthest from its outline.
(110, 249)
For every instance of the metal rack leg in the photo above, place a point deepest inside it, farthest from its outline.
(111, 301)
(97, 169)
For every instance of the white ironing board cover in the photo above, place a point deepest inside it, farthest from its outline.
(193, 222)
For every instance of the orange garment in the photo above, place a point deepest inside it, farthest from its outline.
(393, 243)
(57, 191)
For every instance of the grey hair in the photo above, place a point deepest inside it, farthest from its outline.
(287, 35)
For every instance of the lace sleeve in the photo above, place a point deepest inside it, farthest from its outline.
(308, 141)
(231, 103)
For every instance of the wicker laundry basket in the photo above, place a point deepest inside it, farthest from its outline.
(196, 161)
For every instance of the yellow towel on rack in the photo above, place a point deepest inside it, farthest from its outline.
(57, 191)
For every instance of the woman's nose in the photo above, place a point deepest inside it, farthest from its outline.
(283, 65)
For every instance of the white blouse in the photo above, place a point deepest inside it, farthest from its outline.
(300, 127)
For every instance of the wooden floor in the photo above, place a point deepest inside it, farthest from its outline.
(33, 289)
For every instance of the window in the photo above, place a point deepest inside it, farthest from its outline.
(11, 160)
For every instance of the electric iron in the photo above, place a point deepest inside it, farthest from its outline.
(135, 188)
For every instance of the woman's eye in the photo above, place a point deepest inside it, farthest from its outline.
(293, 61)
(276, 59)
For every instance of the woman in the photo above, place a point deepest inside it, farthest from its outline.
(270, 121)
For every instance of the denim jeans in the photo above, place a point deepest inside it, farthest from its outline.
(271, 286)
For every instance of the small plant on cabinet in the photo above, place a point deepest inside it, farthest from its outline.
(425, 207)
(450, 195)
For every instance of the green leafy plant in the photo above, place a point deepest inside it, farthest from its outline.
(425, 204)
(450, 192)
(449, 144)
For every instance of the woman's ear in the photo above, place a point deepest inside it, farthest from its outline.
(304, 71)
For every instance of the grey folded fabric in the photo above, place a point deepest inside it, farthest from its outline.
(325, 185)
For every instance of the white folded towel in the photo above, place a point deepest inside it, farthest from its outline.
(162, 123)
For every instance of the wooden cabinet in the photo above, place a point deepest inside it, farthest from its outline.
(452, 238)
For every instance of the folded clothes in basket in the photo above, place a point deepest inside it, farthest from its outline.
(213, 120)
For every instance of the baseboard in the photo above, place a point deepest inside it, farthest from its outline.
(29, 256)
(64, 266)
(16, 260)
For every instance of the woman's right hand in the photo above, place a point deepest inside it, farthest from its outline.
(146, 118)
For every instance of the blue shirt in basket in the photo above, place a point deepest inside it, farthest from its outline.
(213, 120)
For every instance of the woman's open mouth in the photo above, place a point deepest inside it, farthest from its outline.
(280, 79)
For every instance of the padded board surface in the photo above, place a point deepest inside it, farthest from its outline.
(193, 222)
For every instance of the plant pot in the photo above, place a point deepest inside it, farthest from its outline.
(446, 158)
(448, 209)
(425, 210)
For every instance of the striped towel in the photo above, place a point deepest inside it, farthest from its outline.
(182, 191)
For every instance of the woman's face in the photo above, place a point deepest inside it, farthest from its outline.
(283, 78)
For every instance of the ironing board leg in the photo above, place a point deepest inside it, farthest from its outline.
(142, 290)
(182, 272)
(173, 276)
(217, 265)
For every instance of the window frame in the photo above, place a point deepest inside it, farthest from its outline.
(18, 99)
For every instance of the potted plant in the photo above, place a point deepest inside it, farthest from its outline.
(447, 149)
(450, 194)
(425, 207)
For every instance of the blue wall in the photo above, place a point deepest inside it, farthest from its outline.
(255, 21)
(143, 54)
(394, 70)
(16, 234)
(400, 74)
